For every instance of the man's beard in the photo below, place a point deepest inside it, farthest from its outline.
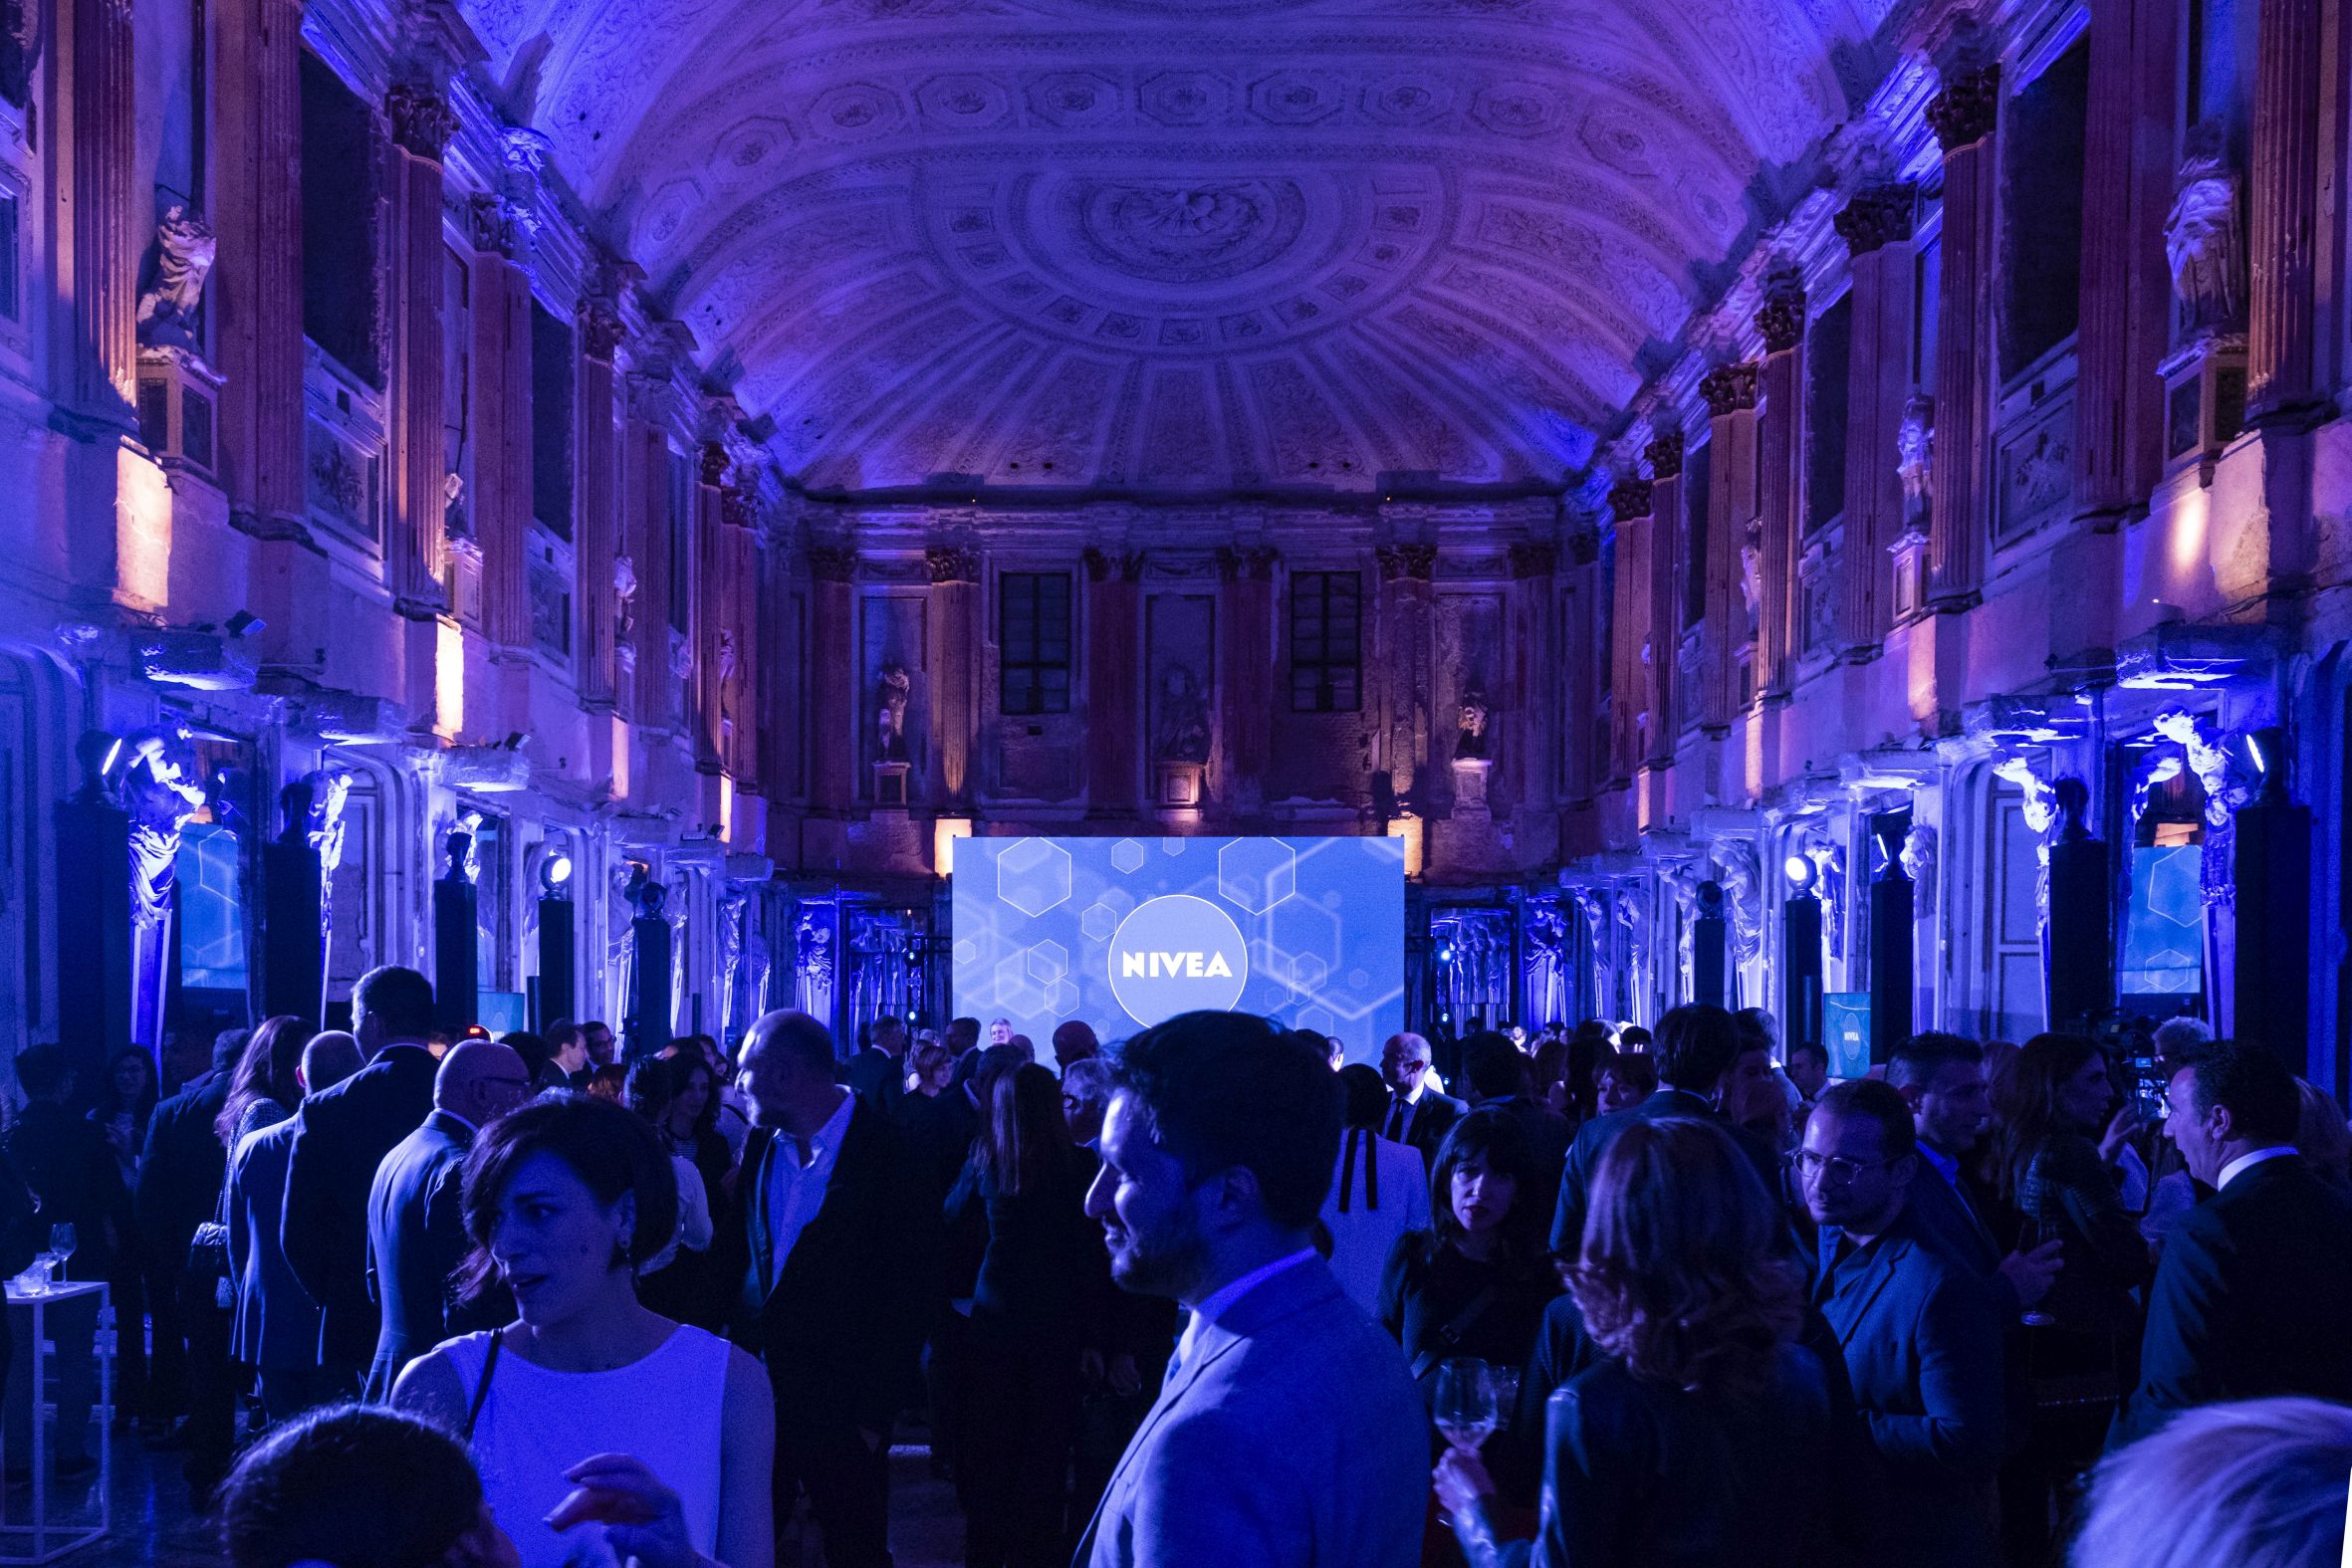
(1163, 1262)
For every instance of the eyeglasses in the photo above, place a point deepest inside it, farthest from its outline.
(1833, 1170)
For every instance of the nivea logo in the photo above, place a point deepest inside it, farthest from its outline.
(1177, 954)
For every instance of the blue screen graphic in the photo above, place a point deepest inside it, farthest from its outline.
(1127, 932)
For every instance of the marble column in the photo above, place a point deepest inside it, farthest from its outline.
(1531, 699)
(707, 593)
(255, 289)
(2127, 294)
(1876, 226)
(1662, 619)
(422, 124)
(1780, 435)
(500, 439)
(954, 675)
(1245, 694)
(2283, 213)
(598, 503)
(1729, 390)
(1962, 118)
(1408, 638)
(1113, 681)
(833, 660)
(106, 214)
(1630, 502)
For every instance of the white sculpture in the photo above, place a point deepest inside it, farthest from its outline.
(891, 695)
(184, 247)
(2204, 241)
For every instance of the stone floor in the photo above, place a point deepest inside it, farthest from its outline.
(155, 1527)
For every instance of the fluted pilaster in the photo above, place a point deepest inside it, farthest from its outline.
(1731, 391)
(1780, 434)
(2284, 211)
(1876, 226)
(1963, 117)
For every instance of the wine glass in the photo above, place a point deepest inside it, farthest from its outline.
(61, 1244)
(1466, 1408)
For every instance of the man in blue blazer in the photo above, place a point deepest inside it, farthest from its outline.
(1286, 1433)
(1698, 1044)
(1920, 1334)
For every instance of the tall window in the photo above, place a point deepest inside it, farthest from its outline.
(681, 541)
(1032, 631)
(1698, 490)
(340, 228)
(10, 310)
(2042, 143)
(1828, 375)
(1326, 641)
(551, 421)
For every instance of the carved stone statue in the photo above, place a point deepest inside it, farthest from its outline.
(2204, 238)
(890, 697)
(1915, 444)
(1739, 869)
(454, 522)
(1472, 740)
(2226, 787)
(624, 612)
(1919, 864)
(727, 659)
(161, 800)
(184, 247)
(1181, 731)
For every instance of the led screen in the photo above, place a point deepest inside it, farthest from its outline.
(1127, 932)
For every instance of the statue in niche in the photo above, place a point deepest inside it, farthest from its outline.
(2155, 768)
(454, 522)
(813, 971)
(2073, 799)
(624, 612)
(726, 657)
(184, 247)
(2224, 784)
(1182, 733)
(1915, 446)
(161, 800)
(890, 697)
(1739, 870)
(458, 846)
(2204, 241)
(1470, 739)
(1919, 864)
(1751, 576)
(312, 807)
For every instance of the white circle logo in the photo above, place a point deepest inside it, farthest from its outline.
(1178, 954)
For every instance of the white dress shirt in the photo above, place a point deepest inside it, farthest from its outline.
(2251, 1159)
(796, 1191)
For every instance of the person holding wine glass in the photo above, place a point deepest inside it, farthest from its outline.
(1700, 1430)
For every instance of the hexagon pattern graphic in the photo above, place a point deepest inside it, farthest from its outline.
(1313, 932)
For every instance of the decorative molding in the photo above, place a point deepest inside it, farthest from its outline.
(1406, 562)
(1782, 319)
(423, 121)
(1878, 216)
(1965, 112)
(952, 564)
(1533, 559)
(1104, 566)
(602, 331)
(833, 563)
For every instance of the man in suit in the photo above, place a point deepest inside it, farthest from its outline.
(180, 1175)
(1920, 1340)
(415, 1222)
(1419, 1113)
(1074, 1041)
(275, 1329)
(1217, 1149)
(2252, 1296)
(1942, 1078)
(344, 1134)
(841, 1230)
(1697, 1047)
(877, 1073)
(180, 1171)
(568, 1065)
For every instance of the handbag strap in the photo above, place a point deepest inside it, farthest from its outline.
(1449, 1332)
(482, 1389)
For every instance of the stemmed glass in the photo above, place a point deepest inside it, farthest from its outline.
(61, 1246)
(1467, 1411)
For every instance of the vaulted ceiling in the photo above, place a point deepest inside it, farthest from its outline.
(1191, 245)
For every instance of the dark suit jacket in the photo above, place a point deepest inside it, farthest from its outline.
(876, 1077)
(70, 1168)
(2252, 1298)
(1548, 1134)
(1044, 1274)
(415, 1241)
(1638, 1474)
(345, 1133)
(1921, 1336)
(277, 1323)
(182, 1172)
(1591, 1142)
(840, 1328)
(1434, 1116)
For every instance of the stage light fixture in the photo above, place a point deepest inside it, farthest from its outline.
(556, 871)
(1801, 871)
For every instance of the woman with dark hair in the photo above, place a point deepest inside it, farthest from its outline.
(1699, 1431)
(124, 1105)
(2051, 1181)
(362, 1487)
(678, 1282)
(1378, 1195)
(566, 1199)
(1474, 1285)
(263, 1090)
(1040, 1311)
(690, 1125)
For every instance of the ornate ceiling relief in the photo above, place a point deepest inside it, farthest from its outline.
(1186, 244)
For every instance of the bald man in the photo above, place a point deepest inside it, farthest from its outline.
(416, 1227)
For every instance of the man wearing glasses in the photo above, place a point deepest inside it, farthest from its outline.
(1921, 1336)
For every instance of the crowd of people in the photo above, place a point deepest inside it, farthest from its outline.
(1212, 1294)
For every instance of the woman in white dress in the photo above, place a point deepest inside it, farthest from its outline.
(604, 1431)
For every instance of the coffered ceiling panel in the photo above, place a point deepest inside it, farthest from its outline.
(1177, 244)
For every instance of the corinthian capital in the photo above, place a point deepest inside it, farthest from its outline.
(952, 564)
(1782, 319)
(1665, 455)
(1963, 112)
(1878, 215)
(423, 121)
(1629, 498)
(1730, 389)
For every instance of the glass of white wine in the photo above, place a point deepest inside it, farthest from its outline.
(1467, 1411)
